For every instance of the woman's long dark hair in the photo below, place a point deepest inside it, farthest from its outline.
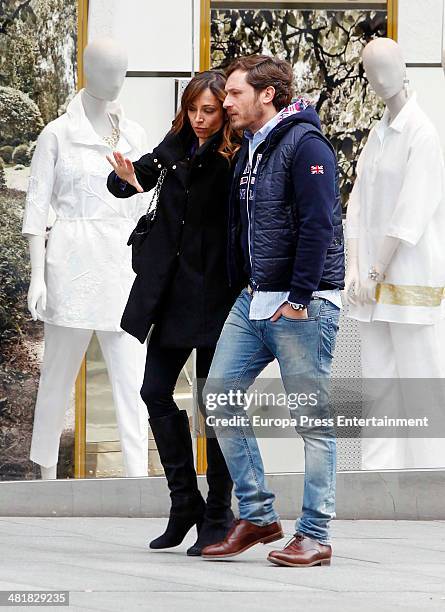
(215, 81)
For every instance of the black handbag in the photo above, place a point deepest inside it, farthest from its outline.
(145, 224)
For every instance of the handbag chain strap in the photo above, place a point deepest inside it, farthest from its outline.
(156, 193)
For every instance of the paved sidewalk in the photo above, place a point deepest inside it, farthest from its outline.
(103, 562)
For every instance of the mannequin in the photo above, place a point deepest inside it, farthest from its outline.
(386, 73)
(395, 219)
(81, 279)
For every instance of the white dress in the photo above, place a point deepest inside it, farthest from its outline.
(88, 263)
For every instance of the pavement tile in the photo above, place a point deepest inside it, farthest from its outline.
(105, 564)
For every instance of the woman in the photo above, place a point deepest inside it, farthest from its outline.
(182, 287)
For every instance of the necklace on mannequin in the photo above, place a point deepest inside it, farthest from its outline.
(112, 140)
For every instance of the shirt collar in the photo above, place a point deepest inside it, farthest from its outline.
(263, 132)
(400, 121)
(82, 131)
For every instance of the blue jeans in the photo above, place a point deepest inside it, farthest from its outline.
(304, 350)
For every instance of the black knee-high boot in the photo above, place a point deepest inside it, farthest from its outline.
(174, 443)
(218, 516)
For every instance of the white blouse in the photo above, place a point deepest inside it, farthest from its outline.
(400, 192)
(88, 264)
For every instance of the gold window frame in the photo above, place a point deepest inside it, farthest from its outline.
(81, 386)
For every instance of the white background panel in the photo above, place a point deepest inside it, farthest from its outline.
(150, 101)
(429, 83)
(157, 35)
(100, 18)
(420, 30)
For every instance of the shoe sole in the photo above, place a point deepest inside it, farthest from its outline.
(289, 564)
(272, 538)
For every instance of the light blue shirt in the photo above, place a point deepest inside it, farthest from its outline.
(256, 139)
(265, 303)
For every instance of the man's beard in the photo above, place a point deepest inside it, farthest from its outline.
(239, 122)
(236, 123)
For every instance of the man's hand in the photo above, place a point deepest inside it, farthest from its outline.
(289, 312)
(125, 170)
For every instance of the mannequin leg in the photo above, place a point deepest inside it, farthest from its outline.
(64, 350)
(48, 473)
(378, 362)
(419, 351)
(125, 360)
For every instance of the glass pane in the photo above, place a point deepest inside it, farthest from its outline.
(327, 70)
(103, 449)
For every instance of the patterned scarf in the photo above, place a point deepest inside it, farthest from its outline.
(299, 104)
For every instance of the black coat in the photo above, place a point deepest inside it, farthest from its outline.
(182, 284)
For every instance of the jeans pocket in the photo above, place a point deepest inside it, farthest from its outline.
(292, 320)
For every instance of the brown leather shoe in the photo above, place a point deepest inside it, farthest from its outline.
(302, 551)
(242, 536)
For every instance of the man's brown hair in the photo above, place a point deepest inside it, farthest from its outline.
(264, 71)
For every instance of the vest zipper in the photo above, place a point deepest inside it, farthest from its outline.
(253, 283)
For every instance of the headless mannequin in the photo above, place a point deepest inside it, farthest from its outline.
(105, 64)
(386, 71)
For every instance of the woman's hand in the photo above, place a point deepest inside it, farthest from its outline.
(124, 170)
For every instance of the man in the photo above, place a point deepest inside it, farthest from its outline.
(286, 236)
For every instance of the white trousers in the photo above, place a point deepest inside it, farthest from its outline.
(400, 351)
(124, 356)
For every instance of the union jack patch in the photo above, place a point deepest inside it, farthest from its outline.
(317, 169)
